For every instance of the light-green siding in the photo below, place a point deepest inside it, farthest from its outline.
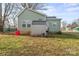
(28, 15)
(55, 28)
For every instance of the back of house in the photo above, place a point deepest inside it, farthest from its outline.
(27, 18)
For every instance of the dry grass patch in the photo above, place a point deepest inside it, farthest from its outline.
(65, 44)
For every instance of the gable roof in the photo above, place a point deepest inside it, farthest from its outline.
(31, 11)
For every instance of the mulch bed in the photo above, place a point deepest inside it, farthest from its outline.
(12, 33)
(7, 33)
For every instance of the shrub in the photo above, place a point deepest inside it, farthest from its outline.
(59, 32)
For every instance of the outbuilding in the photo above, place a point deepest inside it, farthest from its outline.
(34, 22)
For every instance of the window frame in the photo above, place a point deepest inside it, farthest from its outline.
(29, 25)
(23, 25)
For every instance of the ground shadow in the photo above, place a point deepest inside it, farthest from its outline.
(67, 35)
(64, 35)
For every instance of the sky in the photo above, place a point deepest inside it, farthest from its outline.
(68, 12)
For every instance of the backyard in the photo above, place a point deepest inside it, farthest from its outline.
(23, 45)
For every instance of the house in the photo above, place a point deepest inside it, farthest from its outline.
(29, 20)
(71, 27)
(76, 29)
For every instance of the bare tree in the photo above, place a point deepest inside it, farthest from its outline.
(18, 7)
(1, 17)
(10, 10)
(77, 21)
(29, 5)
(23, 5)
(0, 11)
(64, 24)
(8, 7)
(7, 10)
(33, 6)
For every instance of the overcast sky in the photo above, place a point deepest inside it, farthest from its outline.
(68, 12)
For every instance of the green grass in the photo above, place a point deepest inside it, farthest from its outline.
(64, 44)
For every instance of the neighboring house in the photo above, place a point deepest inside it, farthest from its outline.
(76, 29)
(26, 19)
(68, 27)
(71, 26)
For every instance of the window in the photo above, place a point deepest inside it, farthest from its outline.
(54, 24)
(28, 25)
(39, 23)
(23, 25)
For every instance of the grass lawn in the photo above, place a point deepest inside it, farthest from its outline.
(64, 44)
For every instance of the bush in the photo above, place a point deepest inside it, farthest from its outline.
(9, 29)
(59, 32)
(13, 29)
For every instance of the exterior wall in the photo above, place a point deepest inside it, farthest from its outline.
(27, 16)
(24, 29)
(54, 25)
(38, 29)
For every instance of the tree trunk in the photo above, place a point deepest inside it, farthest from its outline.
(1, 22)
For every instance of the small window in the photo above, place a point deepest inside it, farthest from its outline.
(23, 25)
(54, 24)
(39, 23)
(28, 25)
